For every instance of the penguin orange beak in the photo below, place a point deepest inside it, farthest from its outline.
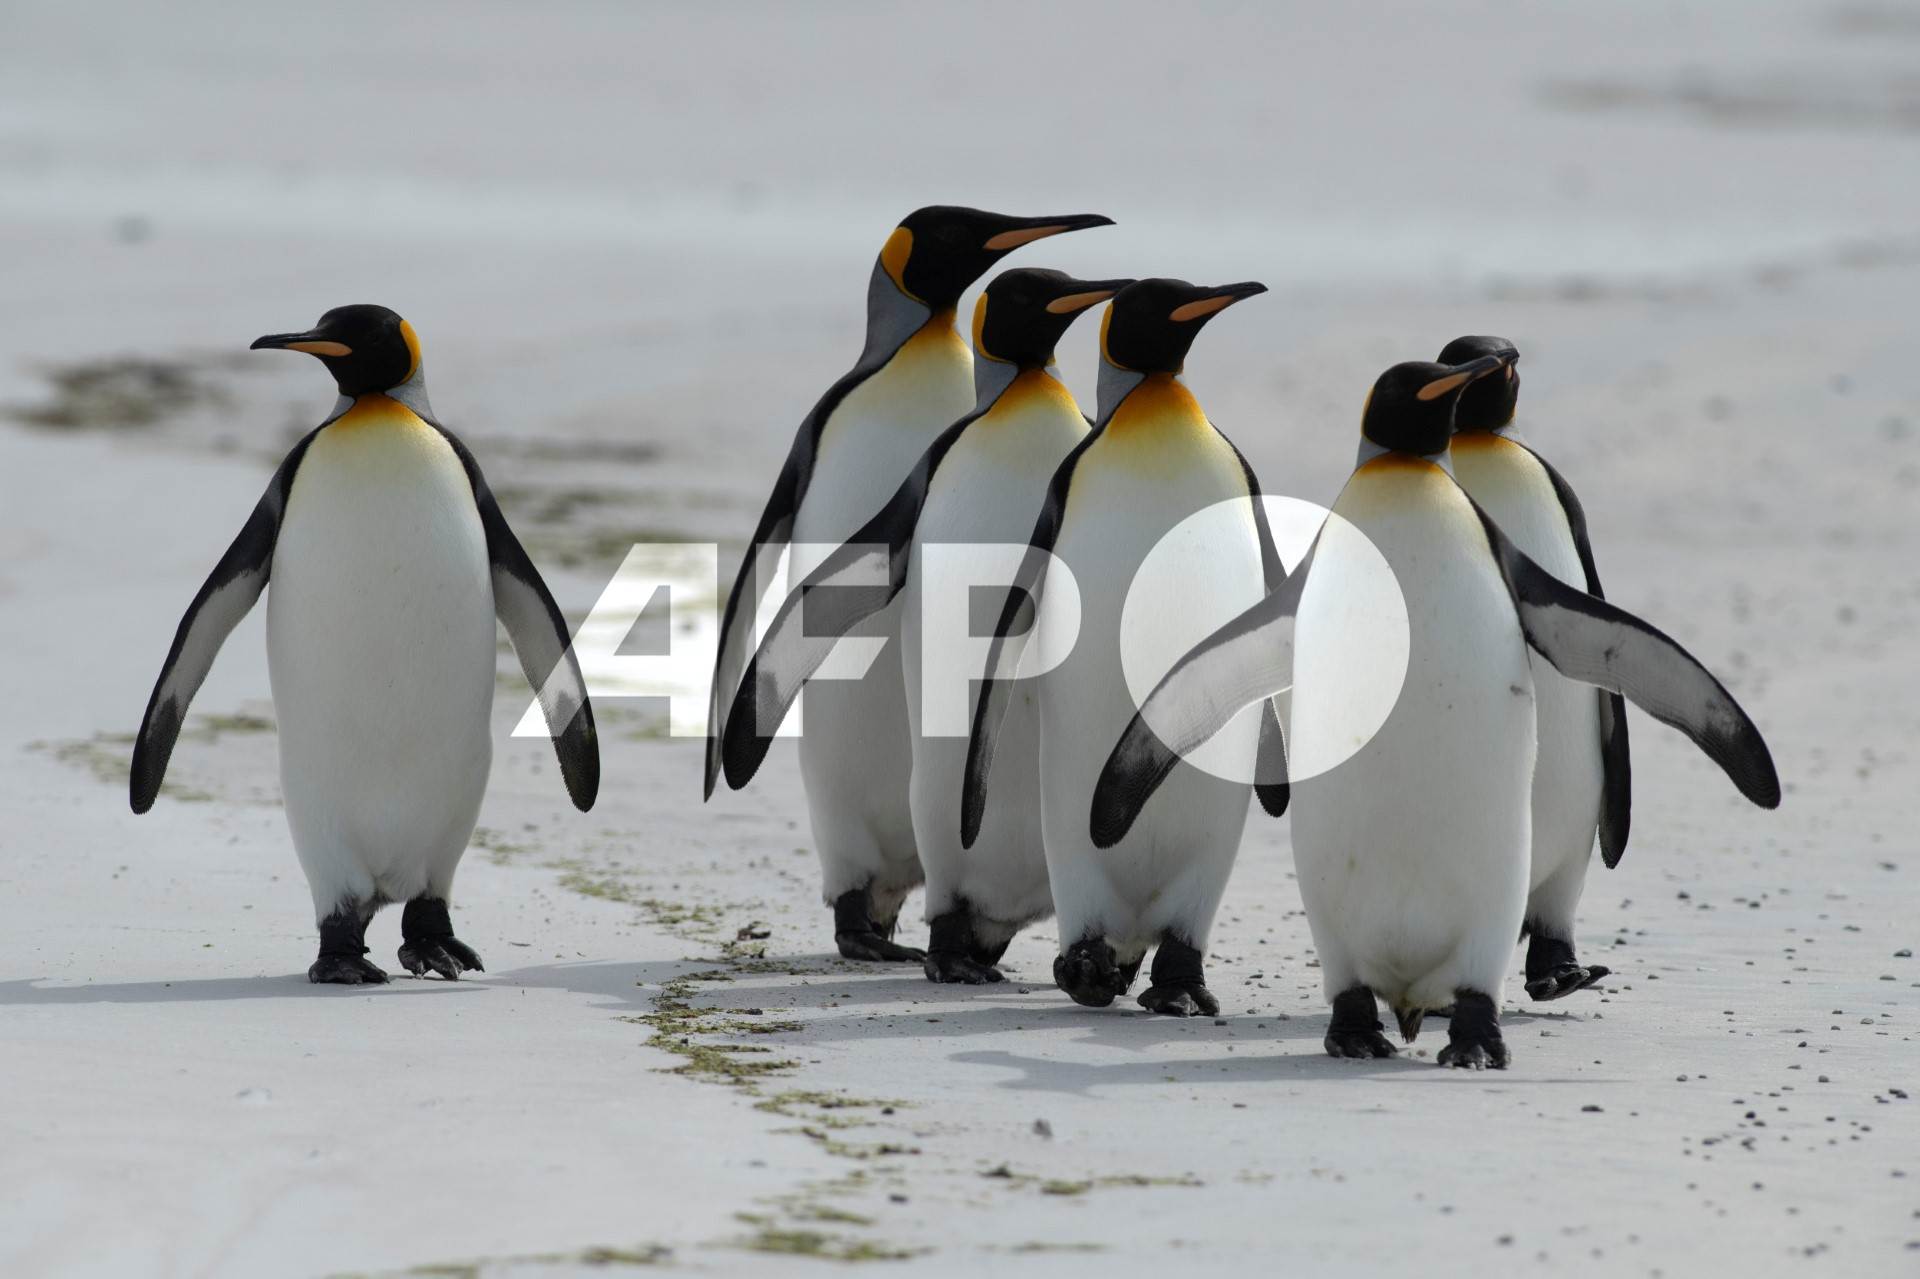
(1085, 293)
(1216, 300)
(1462, 374)
(1030, 229)
(311, 342)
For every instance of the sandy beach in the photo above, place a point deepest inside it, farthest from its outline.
(634, 242)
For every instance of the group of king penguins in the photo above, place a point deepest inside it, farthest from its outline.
(1461, 821)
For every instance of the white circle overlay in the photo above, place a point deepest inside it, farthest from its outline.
(1173, 605)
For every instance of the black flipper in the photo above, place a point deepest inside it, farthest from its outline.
(1249, 658)
(227, 595)
(1589, 640)
(1270, 766)
(769, 539)
(1003, 655)
(809, 623)
(1616, 795)
(540, 639)
(1616, 804)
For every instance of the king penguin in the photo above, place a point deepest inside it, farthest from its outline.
(913, 379)
(1582, 778)
(980, 484)
(389, 561)
(1152, 460)
(1413, 854)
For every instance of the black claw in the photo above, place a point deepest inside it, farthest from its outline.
(345, 970)
(1472, 1056)
(468, 957)
(1179, 1001)
(877, 949)
(1359, 1045)
(1553, 970)
(946, 967)
(1355, 1029)
(428, 943)
(1473, 1036)
(443, 955)
(1563, 980)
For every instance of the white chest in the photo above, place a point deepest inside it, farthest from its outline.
(875, 435)
(1512, 486)
(380, 603)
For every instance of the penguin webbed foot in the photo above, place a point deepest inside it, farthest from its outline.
(1179, 986)
(1179, 1001)
(428, 943)
(874, 948)
(448, 956)
(1474, 1055)
(1355, 1032)
(345, 970)
(859, 937)
(1473, 1036)
(343, 947)
(949, 967)
(1091, 973)
(1553, 971)
(955, 953)
(1564, 980)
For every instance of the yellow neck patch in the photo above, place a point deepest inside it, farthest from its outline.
(1160, 403)
(1396, 482)
(374, 410)
(1034, 389)
(1398, 462)
(1480, 442)
(937, 337)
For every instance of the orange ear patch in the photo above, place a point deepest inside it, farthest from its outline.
(893, 259)
(1106, 322)
(413, 348)
(980, 329)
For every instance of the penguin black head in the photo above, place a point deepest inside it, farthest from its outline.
(936, 252)
(1488, 402)
(1152, 323)
(1023, 313)
(366, 348)
(1410, 409)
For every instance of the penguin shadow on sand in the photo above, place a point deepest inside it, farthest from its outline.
(627, 987)
(1248, 1050)
(851, 1005)
(202, 990)
(1282, 1052)
(1251, 1063)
